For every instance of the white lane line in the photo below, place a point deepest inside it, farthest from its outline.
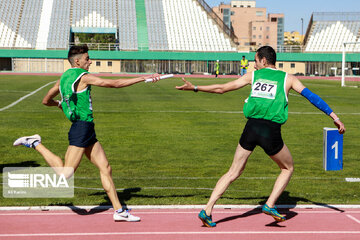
(24, 97)
(110, 212)
(174, 233)
(353, 218)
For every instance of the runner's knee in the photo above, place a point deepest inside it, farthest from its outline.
(289, 168)
(67, 173)
(106, 169)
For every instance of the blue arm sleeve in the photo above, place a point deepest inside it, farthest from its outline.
(316, 101)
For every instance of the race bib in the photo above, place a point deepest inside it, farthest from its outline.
(264, 89)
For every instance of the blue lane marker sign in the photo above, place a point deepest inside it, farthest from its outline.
(332, 150)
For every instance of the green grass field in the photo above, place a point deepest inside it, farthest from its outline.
(170, 147)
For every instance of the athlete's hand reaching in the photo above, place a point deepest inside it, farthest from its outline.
(187, 86)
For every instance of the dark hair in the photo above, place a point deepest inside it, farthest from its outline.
(76, 50)
(268, 53)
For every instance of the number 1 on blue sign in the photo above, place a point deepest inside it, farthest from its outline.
(336, 146)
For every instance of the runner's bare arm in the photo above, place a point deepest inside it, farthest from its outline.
(48, 100)
(218, 88)
(90, 79)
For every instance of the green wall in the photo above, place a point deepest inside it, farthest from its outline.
(193, 56)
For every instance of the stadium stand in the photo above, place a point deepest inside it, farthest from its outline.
(10, 13)
(127, 25)
(59, 34)
(29, 24)
(155, 25)
(44, 27)
(189, 28)
(328, 32)
(94, 13)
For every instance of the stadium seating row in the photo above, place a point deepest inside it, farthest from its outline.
(172, 25)
(127, 25)
(329, 36)
(94, 13)
(10, 14)
(29, 24)
(59, 25)
(189, 28)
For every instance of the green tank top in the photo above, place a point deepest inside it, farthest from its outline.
(76, 105)
(268, 99)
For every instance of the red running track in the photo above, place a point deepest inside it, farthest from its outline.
(245, 224)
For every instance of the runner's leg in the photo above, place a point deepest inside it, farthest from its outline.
(96, 155)
(72, 158)
(285, 161)
(236, 169)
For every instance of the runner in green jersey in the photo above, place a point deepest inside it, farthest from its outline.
(75, 87)
(266, 110)
(76, 105)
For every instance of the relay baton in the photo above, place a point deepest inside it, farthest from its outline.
(161, 77)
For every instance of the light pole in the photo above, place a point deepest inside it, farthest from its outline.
(302, 31)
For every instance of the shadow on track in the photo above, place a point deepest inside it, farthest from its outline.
(286, 200)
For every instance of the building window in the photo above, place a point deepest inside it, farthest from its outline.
(259, 13)
(254, 36)
(292, 65)
(241, 6)
(254, 28)
(281, 65)
(267, 37)
(260, 36)
(267, 28)
(98, 64)
(109, 64)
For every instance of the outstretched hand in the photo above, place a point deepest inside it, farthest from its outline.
(155, 77)
(187, 86)
(340, 126)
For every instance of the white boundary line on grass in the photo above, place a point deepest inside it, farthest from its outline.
(26, 96)
(164, 188)
(210, 111)
(209, 178)
(195, 111)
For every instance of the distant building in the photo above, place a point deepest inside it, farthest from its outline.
(293, 38)
(243, 4)
(253, 27)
